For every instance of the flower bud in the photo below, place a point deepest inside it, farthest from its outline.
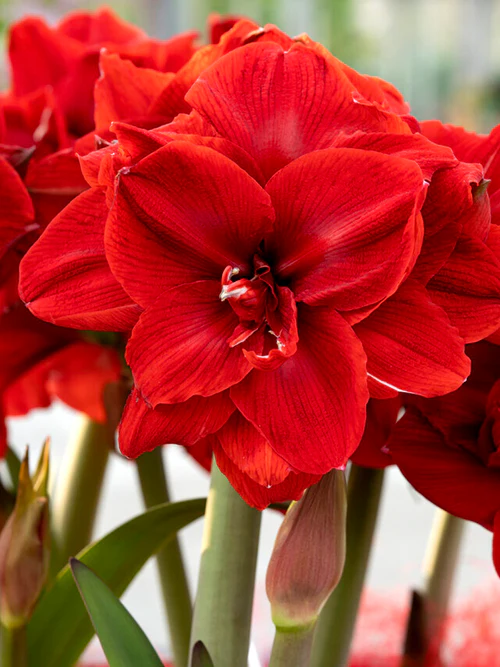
(309, 554)
(24, 546)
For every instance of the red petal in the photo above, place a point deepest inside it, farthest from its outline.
(3, 436)
(308, 100)
(255, 494)
(143, 428)
(450, 208)
(449, 477)
(312, 409)
(58, 173)
(351, 243)
(380, 420)
(171, 101)
(496, 543)
(218, 25)
(411, 345)
(35, 117)
(183, 214)
(99, 167)
(17, 214)
(65, 277)
(179, 348)
(24, 341)
(369, 89)
(427, 155)
(125, 91)
(468, 146)
(97, 27)
(138, 143)
(33, 42)
(459, 414)
(468, 289)
(380, 391)
(53, 182)
(79, 375)
(28, 392)
(250, 452)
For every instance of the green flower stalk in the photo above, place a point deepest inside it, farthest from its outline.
(306, 566)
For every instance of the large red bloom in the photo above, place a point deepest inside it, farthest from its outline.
(448, 447)
(276, 240)
(67, 58)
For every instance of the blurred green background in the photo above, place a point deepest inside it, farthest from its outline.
(444, 55)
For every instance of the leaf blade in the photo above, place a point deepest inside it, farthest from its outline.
(60, 628)
(123, 641)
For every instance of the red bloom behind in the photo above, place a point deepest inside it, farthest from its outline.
(41, 362)
(448, 447)
(67, 58)
(484, 149)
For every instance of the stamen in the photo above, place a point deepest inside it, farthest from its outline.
(227, 293)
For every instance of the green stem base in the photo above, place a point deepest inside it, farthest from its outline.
(13, 647)
(223, 608)
(78, 491)
(292, 649)
(335, 627)
(173, 580)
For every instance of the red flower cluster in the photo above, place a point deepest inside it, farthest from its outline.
(49, 107)
(291, 245)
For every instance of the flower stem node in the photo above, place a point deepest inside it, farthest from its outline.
(24, 545)
(309, 554)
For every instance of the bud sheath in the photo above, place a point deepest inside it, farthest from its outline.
(309, 554)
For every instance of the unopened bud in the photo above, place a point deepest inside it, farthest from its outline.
(309, 554)
(24, 546)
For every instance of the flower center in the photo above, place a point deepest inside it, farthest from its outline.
(253, 300)
(261, 306)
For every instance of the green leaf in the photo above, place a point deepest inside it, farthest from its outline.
(13, 466)
(200, 656)
(122, 640)
(60, 628)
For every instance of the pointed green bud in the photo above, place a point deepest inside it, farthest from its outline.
(24, 545)
(309, 554)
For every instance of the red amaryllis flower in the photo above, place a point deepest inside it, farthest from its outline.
(67, 58)
(117, 98)
(448, 447)
(266, 210)
(41, 362)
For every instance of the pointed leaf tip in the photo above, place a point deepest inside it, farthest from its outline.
(123, 641)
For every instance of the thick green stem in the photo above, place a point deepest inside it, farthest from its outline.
(335, 627)
(292, 649)
(13, 647)
(223, 608)
(425, 630)
(78, 491)
(173, 580)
